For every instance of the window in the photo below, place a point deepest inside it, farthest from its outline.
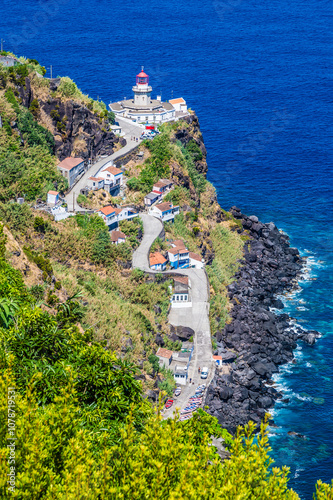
(181, 297)
(177, 297)
(185, 297)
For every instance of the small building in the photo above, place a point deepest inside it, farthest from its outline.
(109, 215)
(180, 375)
(157, 261)
(116, 129)
(179, 104)
(8, 61)
(95, 183)
(164, 211)
(196, 261)
(179, 257)
(71, 168)
(112, 176)
(151, 198)
(164, 356)
(117, 237)
(181, 296)
(218, 360)
(126, 213)
(162, 186)
(52, 198)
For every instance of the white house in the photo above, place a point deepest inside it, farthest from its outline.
(71, 168)
(8, 61)
(179, 104)
(180, 374)
(95, 183)
(113, 177)
(218, 360)
(164, 211)
(117, 237)
(116, 129)
(126, 213)
(196, 261)
(164, 356)
(52, 198)
(157, 261)
(152, 198)
(109, 216)
(162, 186)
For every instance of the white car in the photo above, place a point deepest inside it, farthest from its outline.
(204, 372)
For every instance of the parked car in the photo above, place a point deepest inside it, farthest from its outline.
(204, 372)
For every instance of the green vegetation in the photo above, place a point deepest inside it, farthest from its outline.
(69, 89)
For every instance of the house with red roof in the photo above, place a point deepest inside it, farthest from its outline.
(118, 237)
(164, 211)
(95, 183)
(52, 198)
(109, 216)
(157, 261)
(71, 168)
(113, 178)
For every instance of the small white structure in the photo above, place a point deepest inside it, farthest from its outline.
(95, 183)
(152, 198)
(179, 104)
(8, 61)
(218, 360)
(196, 261)
(116, 129)
(157, 261)
(71, 168)
(164, 211)
(52, 198)
(162, 186)
(126, 213)
(60, 213)
(181, 374)
(109, 216)
(164, 356)
(112, 176)
(117, 237)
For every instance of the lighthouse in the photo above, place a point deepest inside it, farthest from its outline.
(143, 109)
(142, 89)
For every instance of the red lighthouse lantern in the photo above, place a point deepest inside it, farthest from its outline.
(142, 78)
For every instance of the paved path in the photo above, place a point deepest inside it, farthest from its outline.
(131, 130)
(196, 317)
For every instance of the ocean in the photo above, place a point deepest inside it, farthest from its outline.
(259, 76)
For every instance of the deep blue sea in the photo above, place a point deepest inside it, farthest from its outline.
(259, 75)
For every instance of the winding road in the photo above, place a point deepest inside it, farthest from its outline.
(196, 317)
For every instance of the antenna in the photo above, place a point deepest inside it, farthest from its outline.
(50, 68)
(142, 68)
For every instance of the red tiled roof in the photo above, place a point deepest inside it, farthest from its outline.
(113, 170)
(181, 279)
(107, 210)
(55, 193)
(179, 244)
(156, 258)
(176, 250)
(217, 357)
(195, 256)
(116, 235)
(164, 206)
(179, 100)
(69, 163)
(96, 179)
(164, 353)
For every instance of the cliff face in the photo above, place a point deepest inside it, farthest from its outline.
(193, 133)
(78, 131)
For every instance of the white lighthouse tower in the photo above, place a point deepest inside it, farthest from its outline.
(142, 90)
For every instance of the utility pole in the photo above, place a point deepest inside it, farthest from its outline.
(2, 40)
(73, 202)
(50, 68)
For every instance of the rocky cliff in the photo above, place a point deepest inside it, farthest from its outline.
(78, 129)
(256, 340)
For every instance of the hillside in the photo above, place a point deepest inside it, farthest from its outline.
(81, 388)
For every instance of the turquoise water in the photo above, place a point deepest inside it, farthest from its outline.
(259, 75)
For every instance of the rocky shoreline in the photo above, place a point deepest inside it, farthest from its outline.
(256, 341)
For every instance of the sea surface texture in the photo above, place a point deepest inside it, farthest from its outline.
(259, 76)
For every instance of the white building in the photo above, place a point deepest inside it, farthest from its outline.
(71, 168)
(113, 215)
(52, 198)
(142, 108)
(117, 237)
(164, 211)
(157, 261)
(196, 261)
(179, 104)
(152, 198)
(181, 295)
(164, 356)
(8, 61)
(95, 183)
(113, 177)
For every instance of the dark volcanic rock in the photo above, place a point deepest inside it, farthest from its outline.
(182, 332)
(259, 339)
